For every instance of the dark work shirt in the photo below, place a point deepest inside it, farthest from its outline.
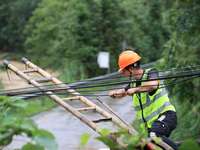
(153, 73)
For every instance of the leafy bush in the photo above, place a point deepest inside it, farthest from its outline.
(72, 71)
(125, 140)
(14, 16)
(14, 124)
(181, 51)
(133, 142)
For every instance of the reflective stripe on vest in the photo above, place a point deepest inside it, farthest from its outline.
(149, 102)
(155, 112)
(152, 106)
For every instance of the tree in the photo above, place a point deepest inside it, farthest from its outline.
(98, 30)
(144, 31)
(79, 30)
(74, 30)
(50, 33)
(183, 51)
(14, 16)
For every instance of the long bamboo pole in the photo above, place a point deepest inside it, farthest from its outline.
(54, 97)
(82, 98)
(115, 113)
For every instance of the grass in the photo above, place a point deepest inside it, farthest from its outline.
(37, 106)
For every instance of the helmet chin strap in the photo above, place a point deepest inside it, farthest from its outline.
(130, 76)
(134, 65)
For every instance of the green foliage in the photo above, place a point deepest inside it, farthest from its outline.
(131, 141)
(1, 85)
(97, 30)
(188, 121)
(106, 140)
(183, 50)
(14, 16)
(143, 28)
(14, 124)
(189, 145)
(78, 33)
(37, 106)
(84, 140)
(58, 32)
(184, 16)
(49, 33)
(73, 71)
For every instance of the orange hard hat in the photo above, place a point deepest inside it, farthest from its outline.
(127, 58)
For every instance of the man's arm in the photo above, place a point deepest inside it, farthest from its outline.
(148, 86)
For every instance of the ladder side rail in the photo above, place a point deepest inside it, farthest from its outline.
(56, 99)
(47, 75)
(62, 103)
(82, 99)
(107, 115)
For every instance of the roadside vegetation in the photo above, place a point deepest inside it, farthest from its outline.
(14, 123)
(68, 35)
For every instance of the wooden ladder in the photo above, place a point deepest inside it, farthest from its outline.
(46, 77)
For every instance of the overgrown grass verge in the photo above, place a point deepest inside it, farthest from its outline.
(38, 106)
(188, 121)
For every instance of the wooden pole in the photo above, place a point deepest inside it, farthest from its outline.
(54, 97)
(70, 109)
(82, 99)
(115, 113)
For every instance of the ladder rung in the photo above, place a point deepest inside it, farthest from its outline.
(102, 120)
(43, 80)
(71, 98)
(113, 132)
(29, 70)
(86, 109)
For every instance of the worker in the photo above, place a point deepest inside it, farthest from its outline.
(153, 108)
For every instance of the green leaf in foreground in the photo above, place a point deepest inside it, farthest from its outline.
(30, 146)
(189, 145)
(47, 142)
(84, 139)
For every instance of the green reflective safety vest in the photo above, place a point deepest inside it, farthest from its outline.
(148, 108)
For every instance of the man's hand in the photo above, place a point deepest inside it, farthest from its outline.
(113, 94)
(119, 94)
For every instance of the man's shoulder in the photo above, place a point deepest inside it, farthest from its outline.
(152, 73)
(152, 70)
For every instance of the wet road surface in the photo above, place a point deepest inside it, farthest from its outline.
(68, 130)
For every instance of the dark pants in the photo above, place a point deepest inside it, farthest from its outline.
(162, 128)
